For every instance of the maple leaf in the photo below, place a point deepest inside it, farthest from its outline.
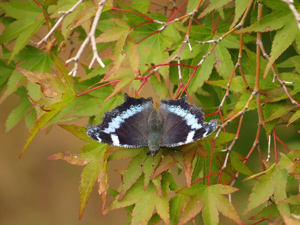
(271, 183)
(146, 201)
(210, 200)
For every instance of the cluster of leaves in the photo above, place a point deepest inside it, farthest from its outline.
(49, 96)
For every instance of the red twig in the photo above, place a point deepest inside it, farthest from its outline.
(95, 88)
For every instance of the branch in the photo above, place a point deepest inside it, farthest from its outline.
(63, 15)
(293, 9)
(90, 37)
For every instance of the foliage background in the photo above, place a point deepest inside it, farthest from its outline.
(36, 189)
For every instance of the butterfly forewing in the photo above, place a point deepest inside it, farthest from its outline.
(126, 125)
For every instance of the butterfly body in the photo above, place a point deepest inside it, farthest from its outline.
(155, 130)
(135, 124)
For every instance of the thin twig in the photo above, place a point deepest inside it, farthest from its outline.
(63, 15)
(90, 37)
(294, 10)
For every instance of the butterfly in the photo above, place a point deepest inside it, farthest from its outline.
(136, 124)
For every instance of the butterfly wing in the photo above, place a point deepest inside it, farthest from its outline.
(183, 123)
(126, 125)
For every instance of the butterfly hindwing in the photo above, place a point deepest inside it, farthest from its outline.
(126, 125)
(183, 123)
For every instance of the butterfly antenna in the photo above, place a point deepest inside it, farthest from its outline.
(152, 161)
(148, 153)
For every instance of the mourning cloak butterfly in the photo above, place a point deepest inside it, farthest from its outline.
(135, 124)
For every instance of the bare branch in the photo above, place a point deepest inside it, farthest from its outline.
(63, 15)
(90, 37)
(293, 9)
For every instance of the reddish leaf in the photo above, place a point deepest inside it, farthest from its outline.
(189, 153)
(63, 74)
(41, 121)
(103, 183)
(51, 85)
(74, 159)
(167, 163)
(133, 55)
(193, 207)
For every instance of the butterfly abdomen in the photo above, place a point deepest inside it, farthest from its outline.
(155, 126)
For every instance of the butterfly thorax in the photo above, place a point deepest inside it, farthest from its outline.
(155, 128)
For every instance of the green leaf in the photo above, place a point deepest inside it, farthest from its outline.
(14, 82)
(177, 204)
(144, 208)
(21, 9)
(276, 110)
(224, 64)
(160, 86)
(270, 22)
(43, 119)
(134, 194)
(120, 85)
(148, 167)
(35, 59)
(162, 202)
(282, 40)
(273, 182)
(225, 137)
(270, 211)
(210, 199)
(30, 118)
(152, 50)
(280, 180)
(203, 73)
(19, 112)
(142, 6)
(191, 6)
(276, 5)
(237, 162)
(90, 174)
(240, 7)
(78, 131)
(118, 153)
(14, 29)
(6, 72)
(294, 117)
(214, 4)
(172, 31)
(28, 31)
(131, 175)
(114, 34)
